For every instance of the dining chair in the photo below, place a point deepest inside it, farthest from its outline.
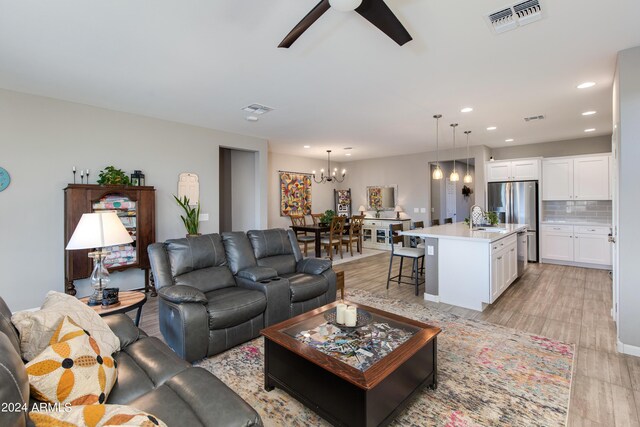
(354, 234)
(316, 218)
(301, 236)
(334, 239)
(435, 222)
(415, 254)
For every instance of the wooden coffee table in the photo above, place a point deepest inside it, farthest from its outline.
(128, 301)
(399, 358)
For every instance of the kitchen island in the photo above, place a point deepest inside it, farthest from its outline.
(467, 268)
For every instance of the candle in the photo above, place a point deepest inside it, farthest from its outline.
(340, 309)
(81, 173)
(351, 316)
(87, 172)
(74, 168)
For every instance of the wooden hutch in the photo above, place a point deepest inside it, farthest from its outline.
(136, 207)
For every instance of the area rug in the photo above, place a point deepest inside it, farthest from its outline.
(488, 375)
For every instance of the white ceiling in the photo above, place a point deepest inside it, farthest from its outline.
(343, 83)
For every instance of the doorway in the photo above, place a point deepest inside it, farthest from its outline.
(451, 200)
(238, 190)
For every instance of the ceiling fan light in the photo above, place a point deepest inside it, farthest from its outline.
(345, 5)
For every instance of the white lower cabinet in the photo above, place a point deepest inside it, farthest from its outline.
(504, 265)
(576, 244)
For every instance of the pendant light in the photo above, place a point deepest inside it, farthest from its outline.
(454, 177)
(437, 172)
(468, 179)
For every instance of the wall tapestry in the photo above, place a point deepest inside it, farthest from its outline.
(375, 197)
(295, 194)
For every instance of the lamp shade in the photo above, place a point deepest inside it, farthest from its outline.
(361, 208)
(99, 230)
(398, 209)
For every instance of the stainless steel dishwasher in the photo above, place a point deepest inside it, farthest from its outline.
(523, 252)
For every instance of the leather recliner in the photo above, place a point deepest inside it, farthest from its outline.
(202, 310)
(272, 260)
(151, 378)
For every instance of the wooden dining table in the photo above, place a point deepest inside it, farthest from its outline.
(317, 230)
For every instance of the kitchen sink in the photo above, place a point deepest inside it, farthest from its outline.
(491, 229)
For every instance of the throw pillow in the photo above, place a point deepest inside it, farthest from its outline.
(73, 369)
(96, 416)
(36, 327)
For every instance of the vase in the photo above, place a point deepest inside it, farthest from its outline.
(377, 214)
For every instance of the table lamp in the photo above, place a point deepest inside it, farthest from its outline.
(397, 210)
(98, 231)
(361, 209)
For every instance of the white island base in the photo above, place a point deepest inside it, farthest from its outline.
(473, 267)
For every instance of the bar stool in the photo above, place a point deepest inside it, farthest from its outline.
(414, 254)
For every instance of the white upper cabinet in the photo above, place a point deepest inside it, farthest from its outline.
(513, 170)
(524, 170)
(578, 178)
(591, 178)
(557, 179)
(498, 171)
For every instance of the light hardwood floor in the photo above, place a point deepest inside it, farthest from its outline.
(566, 303)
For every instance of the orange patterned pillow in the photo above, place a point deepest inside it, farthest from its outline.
(73, 369)
(96, 416)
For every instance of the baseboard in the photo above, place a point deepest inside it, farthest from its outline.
(432, 298)
(631, 350)
(575, 264)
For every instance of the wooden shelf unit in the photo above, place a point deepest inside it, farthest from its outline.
(86, 198)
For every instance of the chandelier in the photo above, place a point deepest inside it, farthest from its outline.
(331, 176)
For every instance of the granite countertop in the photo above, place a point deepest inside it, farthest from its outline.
(584, 223)
(460, 231)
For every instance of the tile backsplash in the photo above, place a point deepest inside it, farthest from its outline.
(577, 210)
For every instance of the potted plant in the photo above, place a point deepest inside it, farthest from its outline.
(327, 216)
(491, 218)
(378, 210)
(191, 219)
(112, 176)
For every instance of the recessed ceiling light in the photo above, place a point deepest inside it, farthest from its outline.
(466, 110)
(586, 85)
(492, 128)
(590, 130)
(588, 113)
(508, 140)
(251, 118)
(307, 146)
(347, 154)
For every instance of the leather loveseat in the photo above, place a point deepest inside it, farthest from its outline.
(151, 378)
(217, 292)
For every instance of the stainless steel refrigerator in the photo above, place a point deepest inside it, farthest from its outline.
(517, 203)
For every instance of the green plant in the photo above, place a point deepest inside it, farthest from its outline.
(191, 219)
(112, 176)
(327, 216)
(491, 217)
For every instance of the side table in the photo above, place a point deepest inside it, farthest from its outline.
(129, 301)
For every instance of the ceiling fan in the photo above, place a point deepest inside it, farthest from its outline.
(374, 11)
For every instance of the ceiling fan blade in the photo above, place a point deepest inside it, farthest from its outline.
(378, 13)
(306, 22)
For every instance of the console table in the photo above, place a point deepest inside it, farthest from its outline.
(375, 232)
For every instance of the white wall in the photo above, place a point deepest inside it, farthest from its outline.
(42, 138)
(321, 194)
(571, 147)
(411, 174)
(626, 117)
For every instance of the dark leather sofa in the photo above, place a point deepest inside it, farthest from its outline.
(216, 292)
(150, 378)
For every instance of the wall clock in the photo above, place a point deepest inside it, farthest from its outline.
(5, 179)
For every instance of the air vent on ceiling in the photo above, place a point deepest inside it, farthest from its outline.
(257, 109)
(515, 15)
(532, 118)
